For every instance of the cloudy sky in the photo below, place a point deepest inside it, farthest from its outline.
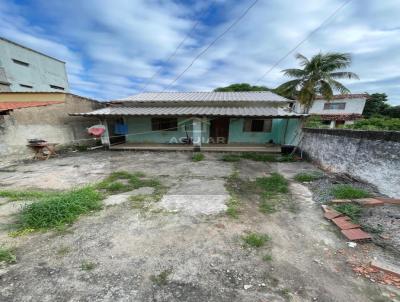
(112, 48)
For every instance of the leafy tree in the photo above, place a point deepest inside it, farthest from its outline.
(317, 76)
(375, 105)
(241, 87)
(393, 111)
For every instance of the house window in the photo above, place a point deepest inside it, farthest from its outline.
(20, 62)
(57, 87)
(334, 106)
(164, 123)
(25, 86)
(257, 125)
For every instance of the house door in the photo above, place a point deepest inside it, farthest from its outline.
(219, 130)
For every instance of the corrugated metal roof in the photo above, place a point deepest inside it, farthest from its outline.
(196, 111)
(346, 96)
(253, 96)
(18, 105)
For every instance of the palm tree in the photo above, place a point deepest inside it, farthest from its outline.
(317, 77)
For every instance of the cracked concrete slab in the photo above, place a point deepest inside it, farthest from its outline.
(195, 204)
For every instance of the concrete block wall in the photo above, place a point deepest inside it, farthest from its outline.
(371, 156)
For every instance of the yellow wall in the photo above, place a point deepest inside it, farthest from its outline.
(32, 97)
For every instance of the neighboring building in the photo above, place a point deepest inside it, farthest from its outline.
(342, 109)
(25, 69)
(200, 119)
(44, 116)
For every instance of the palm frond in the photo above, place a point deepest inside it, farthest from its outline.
(325, 90)
(294, 72)
(338, 86)
(303, 59)
(343, 75)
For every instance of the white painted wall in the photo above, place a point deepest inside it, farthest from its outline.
(353, 106)
(42, 71)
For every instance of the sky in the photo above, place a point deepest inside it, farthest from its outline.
(113, 48)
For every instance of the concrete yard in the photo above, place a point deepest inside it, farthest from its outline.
(184, 247)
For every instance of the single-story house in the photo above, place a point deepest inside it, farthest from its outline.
(206, 120)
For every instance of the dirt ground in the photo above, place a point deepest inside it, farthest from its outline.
(173, 253)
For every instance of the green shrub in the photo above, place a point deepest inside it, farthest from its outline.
(198, 157)
(7, 256)
(307, 176)
(60, 209)
(348, 192)
(255, 239)
(351, 210)
(376, 123)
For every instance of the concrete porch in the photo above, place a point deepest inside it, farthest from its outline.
(264, 148)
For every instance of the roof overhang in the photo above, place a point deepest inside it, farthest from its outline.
(194, 111)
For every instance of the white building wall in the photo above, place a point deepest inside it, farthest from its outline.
(353, 106)
(41, 72)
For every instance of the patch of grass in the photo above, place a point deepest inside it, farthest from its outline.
(267, 206)
(233, 207)
(351, 210)
(370, 229)
(122, 181)
(15, 195)
(60, 209)
(7, 256)
(88, 265)
(230, 157)
(62, 251)
(348, 192)
(161, 278)
(267, 258)
(308, 176)
(198, 157)
(272, 185)
(255, 239)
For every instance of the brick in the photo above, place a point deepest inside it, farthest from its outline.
(331, 214)
(356, 234)
(389, 200)
(340, 201)
(386, 267)
(344, 223)
(369, 202)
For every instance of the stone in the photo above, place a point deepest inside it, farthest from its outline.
(247, 286)
(356, 234)
(344, 223)
(140, 191)
(115, 199)
(369, 202)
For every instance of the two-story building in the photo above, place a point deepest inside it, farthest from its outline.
(26, 70)
(342, 109)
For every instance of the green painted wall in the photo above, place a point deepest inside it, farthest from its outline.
(237, 135)
(139, 131)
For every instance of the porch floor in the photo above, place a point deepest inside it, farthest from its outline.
(266, 148)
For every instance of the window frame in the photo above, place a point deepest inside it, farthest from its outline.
(248, 126)
(328, 106)
(164, 124)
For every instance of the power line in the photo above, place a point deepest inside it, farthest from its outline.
(326, 21)
(211, 44)
(150, 80)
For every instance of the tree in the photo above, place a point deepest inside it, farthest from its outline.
(241, 87)
(318, 76)
(375, 104)
(392, 111)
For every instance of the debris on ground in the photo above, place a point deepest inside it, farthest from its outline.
(376, 275)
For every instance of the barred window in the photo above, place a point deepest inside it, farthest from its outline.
(163, 123)
(257, 125)
(332, 106)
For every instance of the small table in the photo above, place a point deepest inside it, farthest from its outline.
(43, 151)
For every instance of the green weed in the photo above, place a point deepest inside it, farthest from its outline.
(233, 207)
(88, 265)
(7, 256)
(308, 176)
(60, 209)
(198, 157)
(267, 258)
(231, 157)
(161, 278)
(255, 239)
(273, 185)
(15, 195)
(348, 192)
(351, 210)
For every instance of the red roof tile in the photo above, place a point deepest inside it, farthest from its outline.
(17, 105)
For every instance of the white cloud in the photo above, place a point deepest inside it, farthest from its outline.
(113, 47)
